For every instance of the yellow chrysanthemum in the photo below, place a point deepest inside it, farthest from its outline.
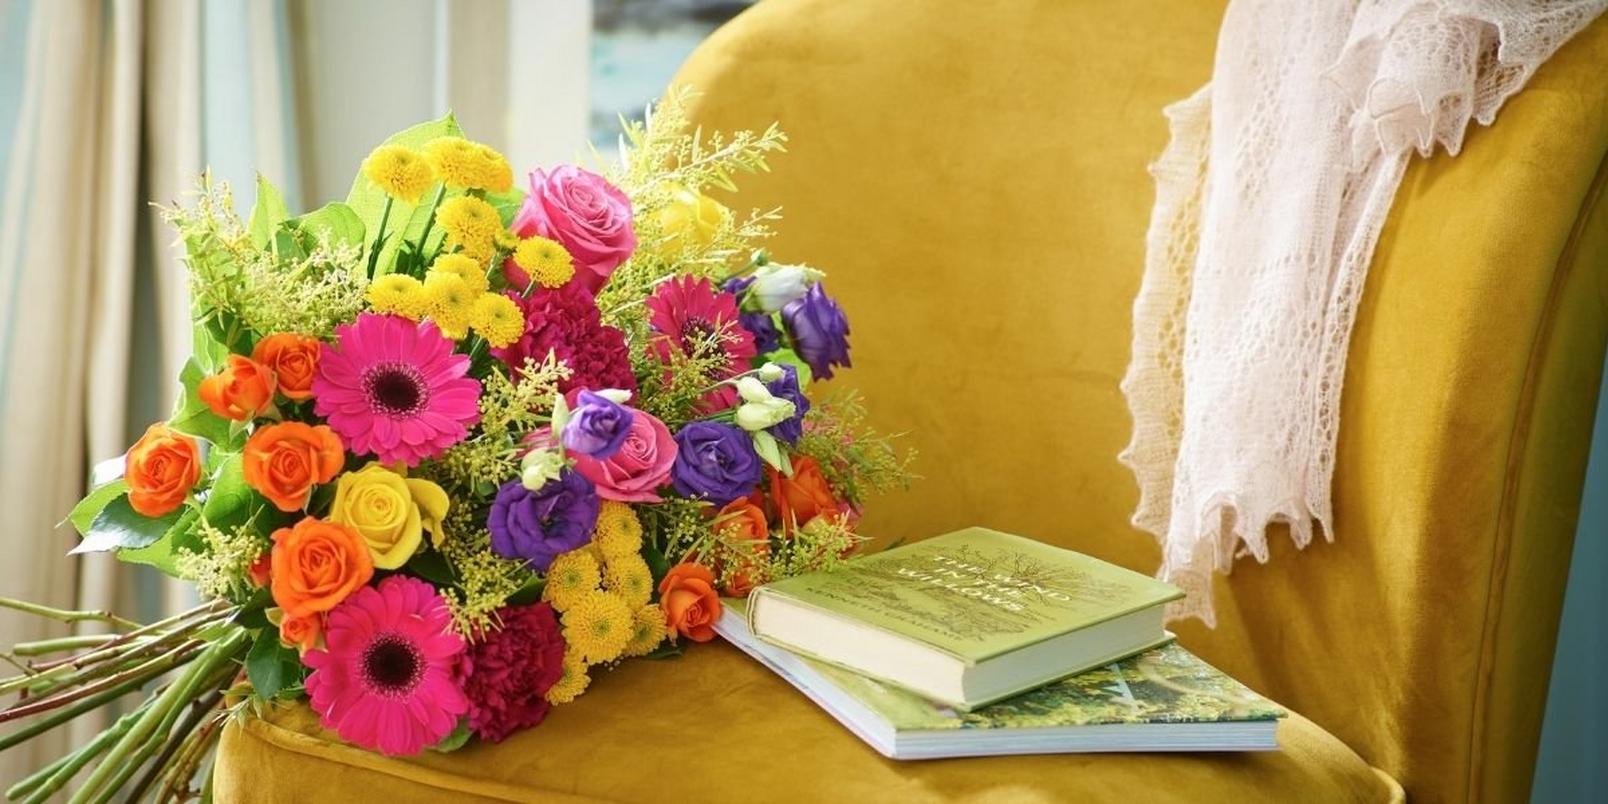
(571, 577)
(450, 301)
(471, 225)
(648, 631)
(497, 318)
(572, 682)
(400, 171)
(398, 294)
(473, 273)
(598, 625)
(545, 260)
(471, 165)
(618, 532)
(629, 577)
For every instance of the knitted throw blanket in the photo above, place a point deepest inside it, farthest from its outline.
(1269, 200)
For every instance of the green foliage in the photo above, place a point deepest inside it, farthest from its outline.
(272, 667)
(118, 525)
(266, 215)
(676, 378)
(856, 461)
(334, 223)
(165, 553)
(510, 409)
(84, 513)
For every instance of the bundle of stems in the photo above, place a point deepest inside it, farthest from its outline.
(182, 667)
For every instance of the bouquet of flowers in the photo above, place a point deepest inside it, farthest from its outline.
(450, 448)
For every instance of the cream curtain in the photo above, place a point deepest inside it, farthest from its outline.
(105, 110)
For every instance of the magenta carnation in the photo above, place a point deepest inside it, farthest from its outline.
(395, 389)
(566, 322)
(508, 673)
(685, 312)
(386, 680)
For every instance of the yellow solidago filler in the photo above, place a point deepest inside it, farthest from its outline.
(400, 171)
(471, 225)
(571, 577)
(398, 294)
(647, 631)
(618, 531)
(450, 301)
(545, 260)
(598, 625)
(473, 273)
(630, 578)
(572, 682)
(471, 165)
(497, 318)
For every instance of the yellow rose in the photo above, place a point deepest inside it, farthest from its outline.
(390, 511)
(694, 216)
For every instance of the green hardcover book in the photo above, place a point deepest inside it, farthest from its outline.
(1164, 699)
(966, 618)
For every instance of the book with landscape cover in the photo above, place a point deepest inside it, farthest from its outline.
(1164, 699)
(966, 618)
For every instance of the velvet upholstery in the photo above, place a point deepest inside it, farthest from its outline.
(972, 175)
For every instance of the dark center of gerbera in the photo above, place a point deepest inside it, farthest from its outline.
(396, 389)
(392, 666)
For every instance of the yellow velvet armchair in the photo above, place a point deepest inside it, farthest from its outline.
(972, 175)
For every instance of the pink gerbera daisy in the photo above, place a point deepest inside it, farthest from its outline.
(685, 312)
(395, 389)
(386, 680)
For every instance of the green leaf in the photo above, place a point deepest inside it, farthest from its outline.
(456, 740)
(433, 567)
(335, 222)
(119, 525)
(266, 214)
(193, 416)
(270, 665)
(210, 353)
(769, 452)
(368, 201)
(84, 513)
(163, 554)
(229, 502)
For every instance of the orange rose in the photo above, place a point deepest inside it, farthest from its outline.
(240, 392)
(160, 470)
(803, 496)
(283, 462)
(741, 520)
(687, 595)
(315, 565)
(301, 633)
(293, 359)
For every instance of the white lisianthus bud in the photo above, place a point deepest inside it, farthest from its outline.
(770, 372)
(755, 416)
(775, 284)
(618, 396)
(752, 390)
(540, 466)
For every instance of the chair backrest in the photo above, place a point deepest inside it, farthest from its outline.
(972, 176)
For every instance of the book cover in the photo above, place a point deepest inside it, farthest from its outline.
(977, 593)
(1161, 687)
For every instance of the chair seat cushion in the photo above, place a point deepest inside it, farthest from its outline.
(714, 726)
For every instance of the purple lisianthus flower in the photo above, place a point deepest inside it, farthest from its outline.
(539, 525)
(820, 331)
(760, 324)
(597, 427)
(714, 462)
(787, 388)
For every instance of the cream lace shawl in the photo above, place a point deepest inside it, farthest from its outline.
(1269, 199)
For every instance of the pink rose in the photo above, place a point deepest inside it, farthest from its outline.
(588, 216)
(641, 465)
